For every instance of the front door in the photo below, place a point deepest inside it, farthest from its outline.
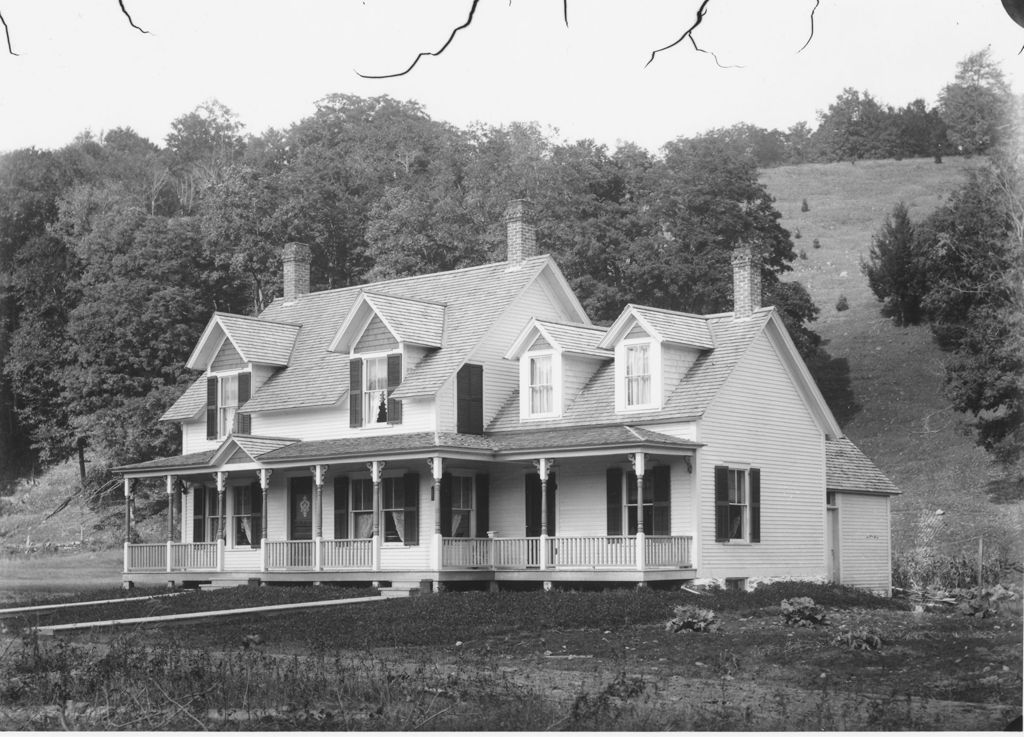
(300, 520)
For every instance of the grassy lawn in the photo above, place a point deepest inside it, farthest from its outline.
(580, 660)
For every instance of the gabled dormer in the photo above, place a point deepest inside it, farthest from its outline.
(653, 350)
(555, 361)
(238, 354)
(385, 337)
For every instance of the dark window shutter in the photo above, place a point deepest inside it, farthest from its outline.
(212, 387)
(721, 504)
(412, 508)
(660, 480)
(552, 488)
(446, 505)
(483, 504)
(394, 379)
(469, 403)
(755, 505)
(532, 505)
(355, 392)
(243, 420)
(613, 482)
(341, 508)
(199, 515)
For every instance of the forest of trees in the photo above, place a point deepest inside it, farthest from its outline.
(114, 251)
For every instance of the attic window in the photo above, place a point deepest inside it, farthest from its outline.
(539, 390)
(375, 390)
(542, 385)
(638, 375)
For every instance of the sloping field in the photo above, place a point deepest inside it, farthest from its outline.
(905, 423)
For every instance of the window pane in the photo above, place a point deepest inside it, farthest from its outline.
(229, 391)
(542, 389)
(638, 375)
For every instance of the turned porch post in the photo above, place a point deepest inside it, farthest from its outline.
(264, 477)
(639, 461)
(318, 499)
(436, 469)
(221, 478)
(543, 471)
(170, 508)
(127, 510)
(376, 468)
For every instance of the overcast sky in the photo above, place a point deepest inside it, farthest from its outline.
(81, 66)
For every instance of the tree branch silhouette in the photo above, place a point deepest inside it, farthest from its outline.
(808, 41)
(688, 33)
(129, 17)
(7, 33)
(469, 19)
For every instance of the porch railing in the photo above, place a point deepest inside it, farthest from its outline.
(592, 552)
(194, 556)
(667, 551)
(339, 555)
(147, 557)
(571, 552)
(290, 555)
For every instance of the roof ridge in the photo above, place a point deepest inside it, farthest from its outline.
(532, 260)
(257, 318)
(572, 325)
(371, 293)
(665, 310)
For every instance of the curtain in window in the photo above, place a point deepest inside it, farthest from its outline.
(363, 524)
(247, 529)
(460, 523)
(541, 384)
(398, 517)
(638, 376)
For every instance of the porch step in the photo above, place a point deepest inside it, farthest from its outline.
(401, 590)
(221, 584)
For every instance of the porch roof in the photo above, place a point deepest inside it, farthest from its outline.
(579, 439)
(171, 463)
(848, 469)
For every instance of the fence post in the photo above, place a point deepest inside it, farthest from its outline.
(126, 556)
(981, 564)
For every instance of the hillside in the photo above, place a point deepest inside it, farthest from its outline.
(904, 423)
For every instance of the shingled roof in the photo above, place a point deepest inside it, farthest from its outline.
(848, 469)
(595, 404)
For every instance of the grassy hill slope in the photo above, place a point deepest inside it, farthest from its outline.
(905, 423)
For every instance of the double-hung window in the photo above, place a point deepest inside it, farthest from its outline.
(247, 515)
(227, 404)
(362, 508)
(375, 390)
(462, 506)
(225, 393)
(542, 385)
(737, 504)
(638, 375)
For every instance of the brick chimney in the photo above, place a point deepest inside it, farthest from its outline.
(296, 258)
(521, 235)
(746, 281)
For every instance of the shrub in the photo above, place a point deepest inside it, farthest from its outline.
(804, 207)
(801, 611)
(861, 639)
(803, 254)
(921, 569)
(841, 304)
(817, 243)
(797, 234)
(692, 618)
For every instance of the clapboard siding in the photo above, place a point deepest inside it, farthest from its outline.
(501, 377)
(446, 420)
(193, 437)
(758, 418)
(675, 362)
(227, 358)
(864, 550)
(242, 560)
(376, 338)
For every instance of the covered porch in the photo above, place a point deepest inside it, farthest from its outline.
(475, 514)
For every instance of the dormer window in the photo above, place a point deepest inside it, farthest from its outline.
(539, 384)
(638, 375)
(542, 385)
(372, 380)
(375, 390)
(225, 393)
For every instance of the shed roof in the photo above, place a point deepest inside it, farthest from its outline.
(848, 469)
